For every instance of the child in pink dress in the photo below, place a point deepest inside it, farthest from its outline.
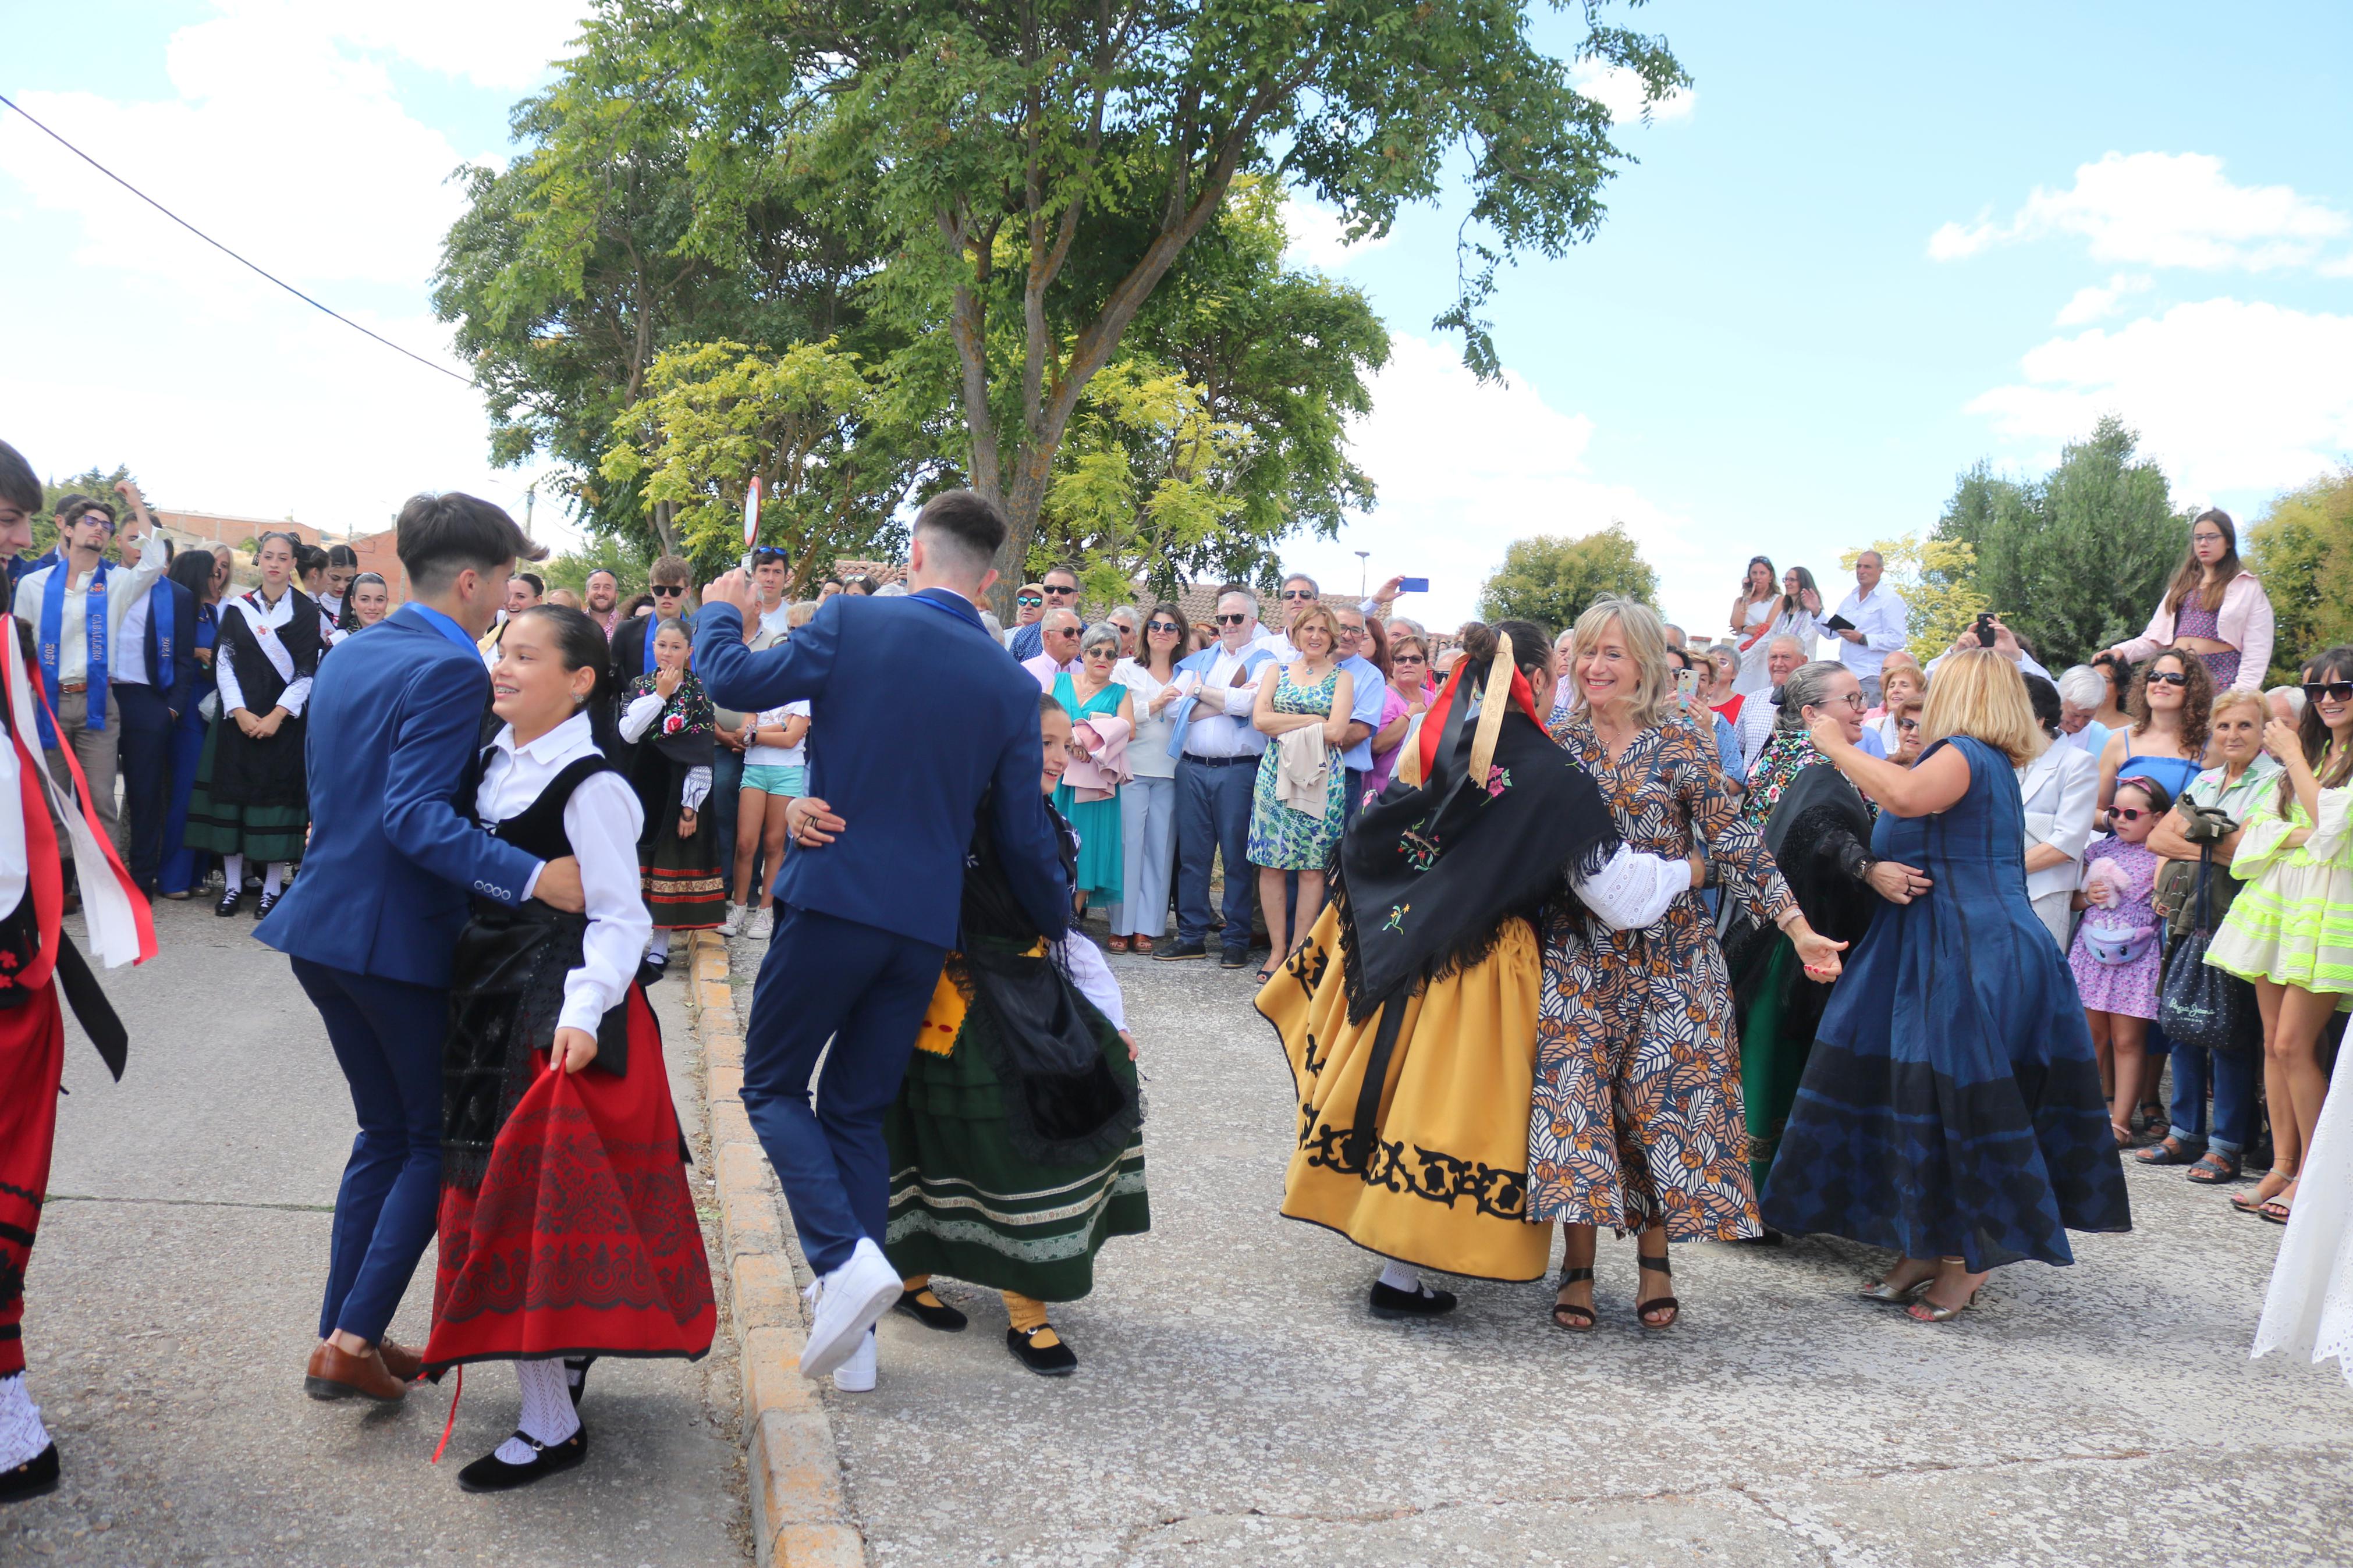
(2118, 954)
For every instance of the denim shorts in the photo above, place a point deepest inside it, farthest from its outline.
(770, 778)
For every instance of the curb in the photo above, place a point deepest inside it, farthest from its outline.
(799, 1519)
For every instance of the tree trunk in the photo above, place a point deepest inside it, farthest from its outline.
(663, 531)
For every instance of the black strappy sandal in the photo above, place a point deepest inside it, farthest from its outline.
(1583, 1320)
(1667, 1304)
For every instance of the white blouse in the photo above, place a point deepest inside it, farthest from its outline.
(1088, 970)
(1148, 749)
(264, 619)
(636, 719)
(602, 820)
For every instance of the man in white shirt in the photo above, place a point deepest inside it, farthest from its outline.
(769, 568)
(1216, 750)
(2082, 689)
(1057, 634)
(1877, 627)
(1758, 710)
(1298, 593)
(65, 621)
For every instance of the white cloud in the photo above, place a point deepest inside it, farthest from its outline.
(2091, 304)
(2227, 394)
(285, 139)
(1316, 237)
(1463, 468)
(2160, 209)
(1620, 90)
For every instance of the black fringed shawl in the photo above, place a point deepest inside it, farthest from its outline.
(1426, 877)
(1819, 836)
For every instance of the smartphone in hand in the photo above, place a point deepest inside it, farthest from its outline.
(1413, 584)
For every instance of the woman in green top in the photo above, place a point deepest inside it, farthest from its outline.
(2234, 788)
(1089, 692)
(2291, 929)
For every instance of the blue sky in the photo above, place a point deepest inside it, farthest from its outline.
(1875, 245)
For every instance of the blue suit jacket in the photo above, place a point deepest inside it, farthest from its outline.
(915, 715)
(392, 725)
(1180, 712)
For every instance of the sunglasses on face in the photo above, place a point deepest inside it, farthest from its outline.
(1297, 593)
(1029, 599)
(1907, 726)
(2168, 677)
(1408, 658)
(2334, 691)
(1158, 627)
(667, 590)
(1233, 620)
(2128, 813)
(1059, 592)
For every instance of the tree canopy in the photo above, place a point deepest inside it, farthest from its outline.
(2302, 548)
(2074, 560)
(1551, 580)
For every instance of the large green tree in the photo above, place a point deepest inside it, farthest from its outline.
(2302, 548)
(1038, 169)
(1551, 580)
(2072, 561)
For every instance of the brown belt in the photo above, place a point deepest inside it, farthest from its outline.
(67, 688)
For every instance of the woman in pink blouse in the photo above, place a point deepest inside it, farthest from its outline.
(2214, 609)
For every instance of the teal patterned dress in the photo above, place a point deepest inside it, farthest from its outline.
(1102, 861)
(1280, 838)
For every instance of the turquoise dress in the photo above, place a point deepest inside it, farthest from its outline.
(1280, 838)
(1102, 859)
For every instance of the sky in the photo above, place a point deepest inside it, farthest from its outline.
(1872, 246)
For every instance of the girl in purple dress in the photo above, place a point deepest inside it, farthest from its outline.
(2117, 957)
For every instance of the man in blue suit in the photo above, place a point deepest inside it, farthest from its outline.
(917, 719)
(154, 681)
(373, 923)
(1216, 750)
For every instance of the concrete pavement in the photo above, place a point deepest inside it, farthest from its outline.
(174, 1294)
(1236, 1404)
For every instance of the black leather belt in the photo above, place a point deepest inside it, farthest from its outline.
(1217, 761)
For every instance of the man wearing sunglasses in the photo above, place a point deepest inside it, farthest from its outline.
(1216, 750)
(1058, 635)
(1028, 605)
(669, 581)
(1058, 590)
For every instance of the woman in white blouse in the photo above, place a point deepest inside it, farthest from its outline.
(2061, 792)
(1147, 802)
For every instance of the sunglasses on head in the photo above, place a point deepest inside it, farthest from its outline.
(767, 553)
(668, 590)
(1233, 620)
(2169, 676)
(1169, 626)
(2335, 691)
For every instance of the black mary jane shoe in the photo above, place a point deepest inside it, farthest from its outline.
(264, 904)
(36, 1477)
(228, 902)
(1388, 1301)
(1047, 1361)
(1667, 1304)
(492, 1474)
(576, 1376)
(650, 972)
(937, 1314)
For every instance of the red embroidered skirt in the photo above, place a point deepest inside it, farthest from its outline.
(582, 1239)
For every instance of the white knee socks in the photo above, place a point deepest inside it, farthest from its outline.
(22, 1435)
(273, 879)
(547, 1412)
(232, 872)
(1398, 1277)
(659, 949)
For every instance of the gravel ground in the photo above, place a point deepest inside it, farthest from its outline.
(1236, 1404)
(173, 1296)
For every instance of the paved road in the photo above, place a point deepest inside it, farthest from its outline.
(1237, 1405)
(174, 1296)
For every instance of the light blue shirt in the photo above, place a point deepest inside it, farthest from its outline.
(1370, 698)
(442, 623)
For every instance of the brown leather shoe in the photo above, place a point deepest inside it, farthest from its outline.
(400, 1360)
(335, 1374)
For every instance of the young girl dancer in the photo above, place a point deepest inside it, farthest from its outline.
(567, 1231)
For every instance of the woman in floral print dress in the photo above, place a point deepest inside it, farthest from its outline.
(1637, 1120)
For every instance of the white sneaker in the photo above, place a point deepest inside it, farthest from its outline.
(856, 1375)
(734, 924)
(847, 1302)
(761, 925)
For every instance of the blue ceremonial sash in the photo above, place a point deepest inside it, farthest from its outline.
(53, 615)
(163, 620)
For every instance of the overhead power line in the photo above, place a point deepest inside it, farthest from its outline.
(224, 250)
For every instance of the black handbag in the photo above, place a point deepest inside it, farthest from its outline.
(2199, 1005)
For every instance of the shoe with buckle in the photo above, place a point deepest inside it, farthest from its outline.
(228, 902)
(1057, 1360)
(492, 1474)
(264, 904)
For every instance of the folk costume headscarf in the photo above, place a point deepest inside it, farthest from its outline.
(1502, 815)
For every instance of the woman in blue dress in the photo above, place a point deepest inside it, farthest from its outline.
(1951, 1108)
(202, 577)
(1089, 692)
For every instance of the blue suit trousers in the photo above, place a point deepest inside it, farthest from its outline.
(1213, 813)
(145, 765)
(387, 1036)
(865, 990)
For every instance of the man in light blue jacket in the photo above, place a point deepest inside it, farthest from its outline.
(1216, 750)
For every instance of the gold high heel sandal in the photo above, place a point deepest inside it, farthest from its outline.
(1926, 1311)
(1895, 1295)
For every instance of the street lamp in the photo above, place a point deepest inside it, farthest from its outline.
(1362, 579)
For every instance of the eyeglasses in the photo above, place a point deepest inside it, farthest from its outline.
(2128, 813)
(668, 590)
(1908, 726)
(2169, 676)
(1060, 592)
(1350, 634)
(1408, 658)
(1297, 593)
(1171, 627)
(1854, 700)
(1030, 600)
(1233, 620)
(2335, 691)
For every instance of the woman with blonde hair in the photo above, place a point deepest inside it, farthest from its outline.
(1951, 1106)
(1300, 805)
(1636, 1121)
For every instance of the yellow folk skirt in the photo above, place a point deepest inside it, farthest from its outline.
(1439, 1180)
